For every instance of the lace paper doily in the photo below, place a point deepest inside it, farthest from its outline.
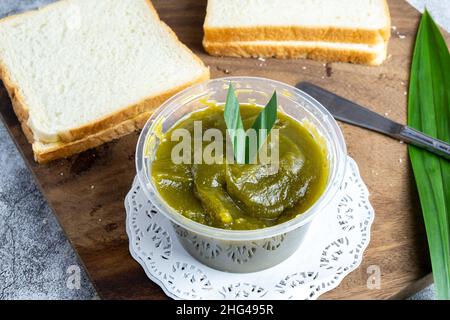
(333, 247)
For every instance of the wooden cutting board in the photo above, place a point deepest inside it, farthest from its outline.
(87, 191)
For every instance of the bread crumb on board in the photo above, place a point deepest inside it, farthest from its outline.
(224, 70)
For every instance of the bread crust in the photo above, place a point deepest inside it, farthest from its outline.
(111, 121)
(299, 33)
(296, 33)
(46, 153)
(255, 50)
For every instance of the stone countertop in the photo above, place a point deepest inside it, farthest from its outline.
(36, 259)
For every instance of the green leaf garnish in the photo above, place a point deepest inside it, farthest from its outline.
(263, 125)
(235, 125)
(429, 112)
(266, 120)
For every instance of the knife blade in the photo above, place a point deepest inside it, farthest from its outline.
(349, 112)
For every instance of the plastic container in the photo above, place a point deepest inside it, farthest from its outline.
(236, 250)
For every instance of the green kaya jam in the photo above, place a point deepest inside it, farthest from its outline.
(243, 196)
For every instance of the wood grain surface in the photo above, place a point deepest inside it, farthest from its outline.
(87, 191)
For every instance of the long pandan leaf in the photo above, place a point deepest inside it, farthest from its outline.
(429, 111)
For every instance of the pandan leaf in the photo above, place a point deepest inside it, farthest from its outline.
(429, 112)
(262, 125)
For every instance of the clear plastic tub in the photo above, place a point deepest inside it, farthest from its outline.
(237, 250)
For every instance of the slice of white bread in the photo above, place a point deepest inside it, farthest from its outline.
(316, 50)
(51, 151)
(343, 21)
(80, 72)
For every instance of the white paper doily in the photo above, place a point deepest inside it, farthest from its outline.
(332, 249)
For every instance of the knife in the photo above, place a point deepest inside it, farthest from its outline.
(352, 113)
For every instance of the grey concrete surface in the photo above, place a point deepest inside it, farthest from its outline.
(36, 260)
(439, 9)
(34, 252)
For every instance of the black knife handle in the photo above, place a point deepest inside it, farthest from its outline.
(424, 141)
